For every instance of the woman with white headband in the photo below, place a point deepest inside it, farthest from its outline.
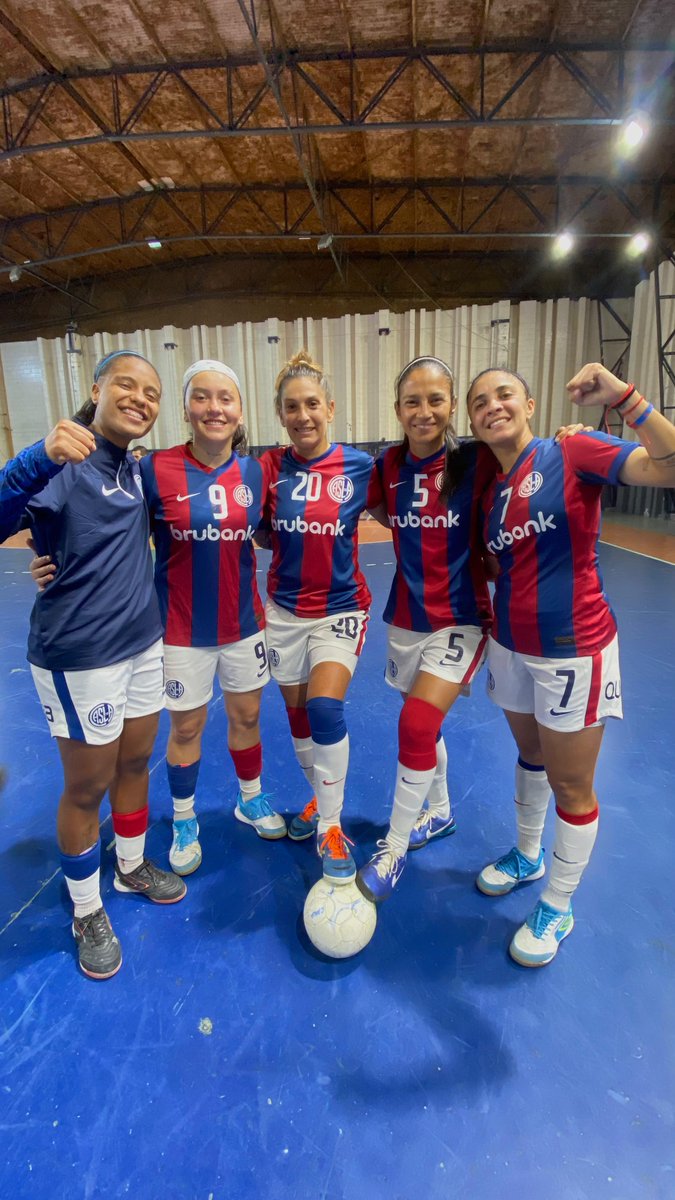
(95, 641)
(205, 501)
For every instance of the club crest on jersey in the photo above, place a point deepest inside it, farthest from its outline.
(174, 689)
(273, 656)
(243, 495)
(101, 715)
(530, 484)
(439, 481)
(340, 489)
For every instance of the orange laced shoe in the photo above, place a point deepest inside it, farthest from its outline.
(304, 825)
(333, 850)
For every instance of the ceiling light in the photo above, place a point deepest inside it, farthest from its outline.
(563, 244)
(167, 181)
(146, 185)
(325, 241)
(154, 244)
(15, 274)
(305, 237)
(638, 244)
(633, 132)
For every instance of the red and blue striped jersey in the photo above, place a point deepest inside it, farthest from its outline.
(203, 520)
(312, 510)
(542, 520)
(440, 577)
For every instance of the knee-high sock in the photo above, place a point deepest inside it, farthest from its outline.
(438, 799)
(301, 735)
(83, 875)
(130, 830)
(572, 849)
(533, 793)
(418, 727)
(183, 785)
(330, 749)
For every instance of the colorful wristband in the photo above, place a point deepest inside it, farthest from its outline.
(625, 415)
(626, 396)
(643, 417)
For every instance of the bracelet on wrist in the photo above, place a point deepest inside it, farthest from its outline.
(643, 417)
(626, 396)
(625, 415)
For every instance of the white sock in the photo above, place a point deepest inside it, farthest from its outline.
(533, 793)
(183, 810)
(304, 752)
(130, 852)
(409, 796)
(85, 894)
(438, 800)
(330, 773)
(250, 788)
(572, 849)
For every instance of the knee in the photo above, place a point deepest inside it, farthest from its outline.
(187, 727)
(244, 719)
(134, 764)
(326, 720)
(573, 796)
(419, 725)
(87, 793)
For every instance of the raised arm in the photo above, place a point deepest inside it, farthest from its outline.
(24, 476)
(653, 463)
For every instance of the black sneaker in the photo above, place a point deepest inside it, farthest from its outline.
(99, 950)
(162, 887)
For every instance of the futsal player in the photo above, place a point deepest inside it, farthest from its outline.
(439, 609)
(318, 600)
(95, 639)
(553, 654)
(205, 502)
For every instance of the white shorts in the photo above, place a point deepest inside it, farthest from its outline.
(453, 654)
(297, 644)
(567, 694)
(189, 671)
(92, 706)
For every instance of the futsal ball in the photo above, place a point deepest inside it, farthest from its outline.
(338, 919)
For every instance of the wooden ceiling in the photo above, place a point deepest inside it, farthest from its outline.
(396, 151)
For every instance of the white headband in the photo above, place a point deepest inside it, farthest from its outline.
(207, 364)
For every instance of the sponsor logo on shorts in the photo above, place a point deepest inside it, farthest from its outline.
(530, 484)
(507, 537)
(211, 534)
(439, 481)
(243, 495)
(491, 682)
(101, 715)
(393, 669)
(299, 525)
(449, 520)
(174, 689)
(340, 489)
(273, 658)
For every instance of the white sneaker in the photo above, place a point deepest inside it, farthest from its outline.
(185, 854)
(259, 813)
(536, 942)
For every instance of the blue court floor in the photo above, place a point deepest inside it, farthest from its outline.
(229, 1061)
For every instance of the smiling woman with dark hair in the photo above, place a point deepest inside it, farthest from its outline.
(95, 640)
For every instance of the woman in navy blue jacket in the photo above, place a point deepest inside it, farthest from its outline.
(95, 644)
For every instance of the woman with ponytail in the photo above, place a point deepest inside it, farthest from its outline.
(429, 489)
(95, 642)
(318, 605)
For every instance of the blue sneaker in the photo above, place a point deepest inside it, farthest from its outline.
(304, 823)
(333, 850)
(428, 826)
(259, 813)
(537, 941)
(185, 854)
(377, 880)
(509, 872)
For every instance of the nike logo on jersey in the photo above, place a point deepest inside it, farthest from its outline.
(188, 497)
(277, 482)
(402, 481)
(111, 491)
